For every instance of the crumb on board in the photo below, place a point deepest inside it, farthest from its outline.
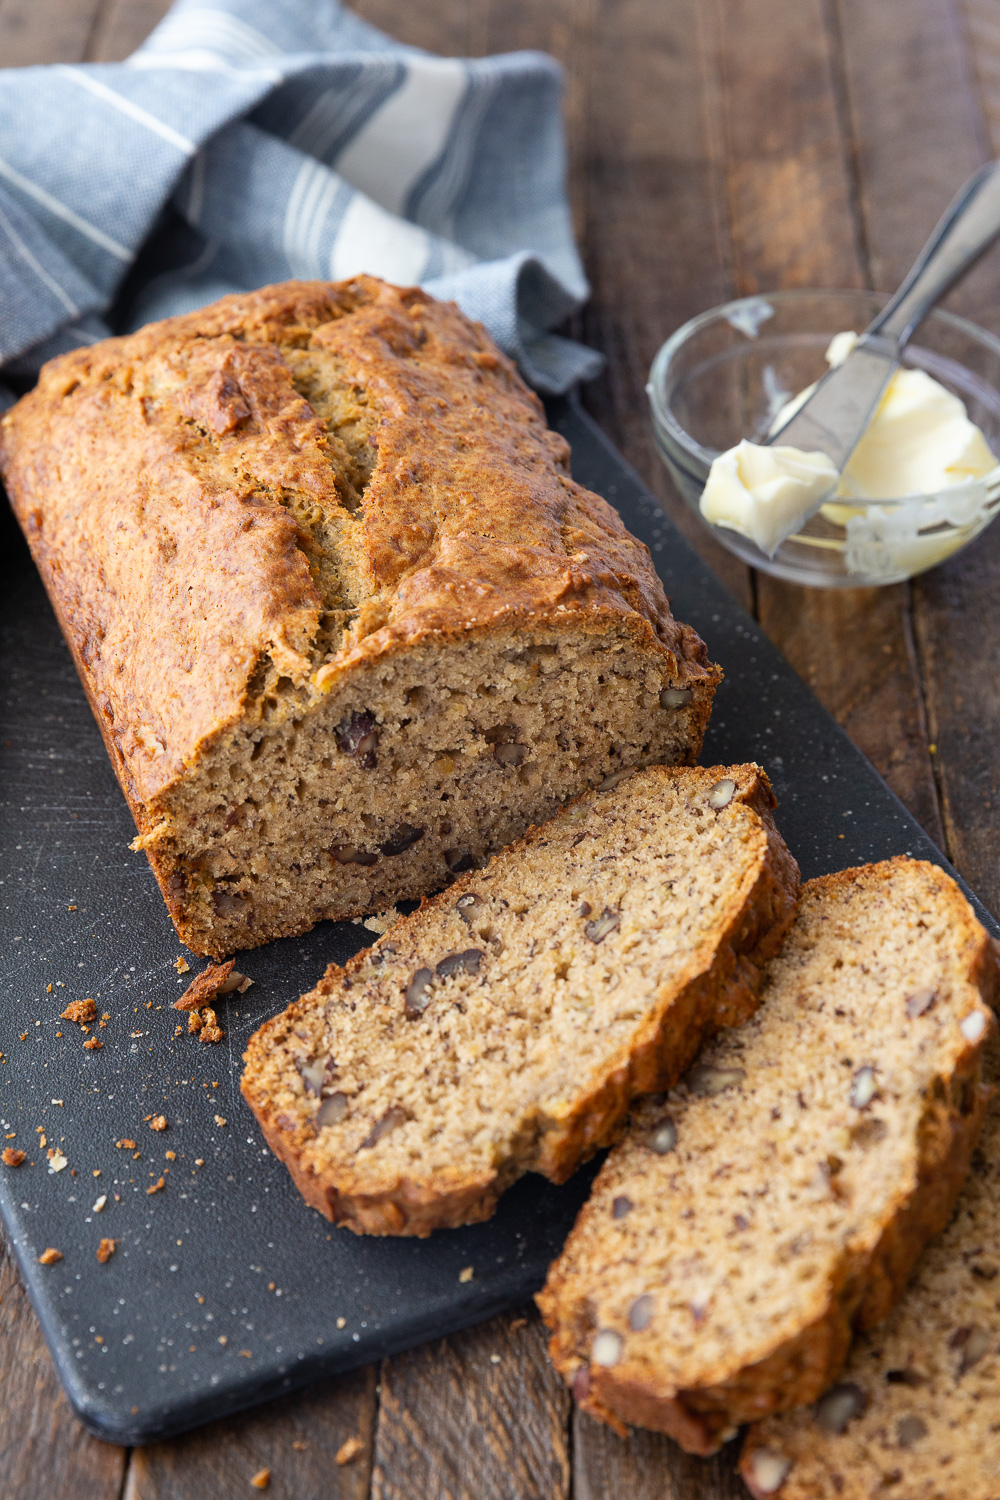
(125, 1144)
(12, 1157)
(158, 1122)
(216, 979)
(155, 1187)
(341, 1322)
(261, 1479)
(466, 1274)
(299, 1446)
(105, 1250)
(205, 986)
(93, 1044)
(349, 1450)
(182, 966)
(49, 1257)
(99, 1205)
(211, 1031)
(79, 1011)
(220, 1119)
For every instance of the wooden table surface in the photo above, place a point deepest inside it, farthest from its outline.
(718, 147)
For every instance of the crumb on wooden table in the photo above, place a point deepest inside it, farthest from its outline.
(349, 1450)
(261, 1479)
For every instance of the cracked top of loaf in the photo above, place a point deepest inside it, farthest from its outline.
(291, 481)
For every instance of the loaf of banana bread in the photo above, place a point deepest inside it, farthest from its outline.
(345, 620)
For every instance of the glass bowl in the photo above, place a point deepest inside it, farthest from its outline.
(724, 376)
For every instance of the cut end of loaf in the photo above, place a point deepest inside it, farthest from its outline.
(411, 769)
(806, 1160)
(507, 1024)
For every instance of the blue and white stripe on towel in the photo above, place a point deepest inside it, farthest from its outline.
(248, 141)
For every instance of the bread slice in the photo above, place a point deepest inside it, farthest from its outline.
(779, 1197)
(505, 1026)
(916, 1412)
(345, 619)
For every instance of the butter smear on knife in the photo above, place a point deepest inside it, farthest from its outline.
(919, 442)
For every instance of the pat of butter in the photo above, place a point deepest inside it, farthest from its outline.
(766, 493)
(919, 442)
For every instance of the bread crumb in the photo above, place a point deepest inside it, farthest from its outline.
(261, 1479)
(99, 1204)
(158, 1122)
(182, 966)
(341, 1322)
(349, 1450)
(223, 1340)
(170, 1155)
(125, 1144)
(465, 1275)
(211, 1031)
(49, 1257)
(516, 1323)
(381, 921)
(56, 1160)
(12, 1157)
(220, 1120)
(105, 1250)
(300, 1447)
(205, 986)
(79, 1011)
(156, 1187)
(93, 1044)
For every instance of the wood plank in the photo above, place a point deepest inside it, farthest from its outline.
(45, 1454)
(297, 1439)
(121, 26)
(647, 1466)
(925, 130)
(479, 1416)
(788, 150)
(45, 31)
(654, 232)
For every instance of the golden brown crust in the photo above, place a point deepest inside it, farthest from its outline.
(867, 1281)
(148, 474)
(716, 987)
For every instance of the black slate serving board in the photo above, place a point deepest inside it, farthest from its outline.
(225, 1290)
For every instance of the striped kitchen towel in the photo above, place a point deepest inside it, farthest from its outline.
(248, 141)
